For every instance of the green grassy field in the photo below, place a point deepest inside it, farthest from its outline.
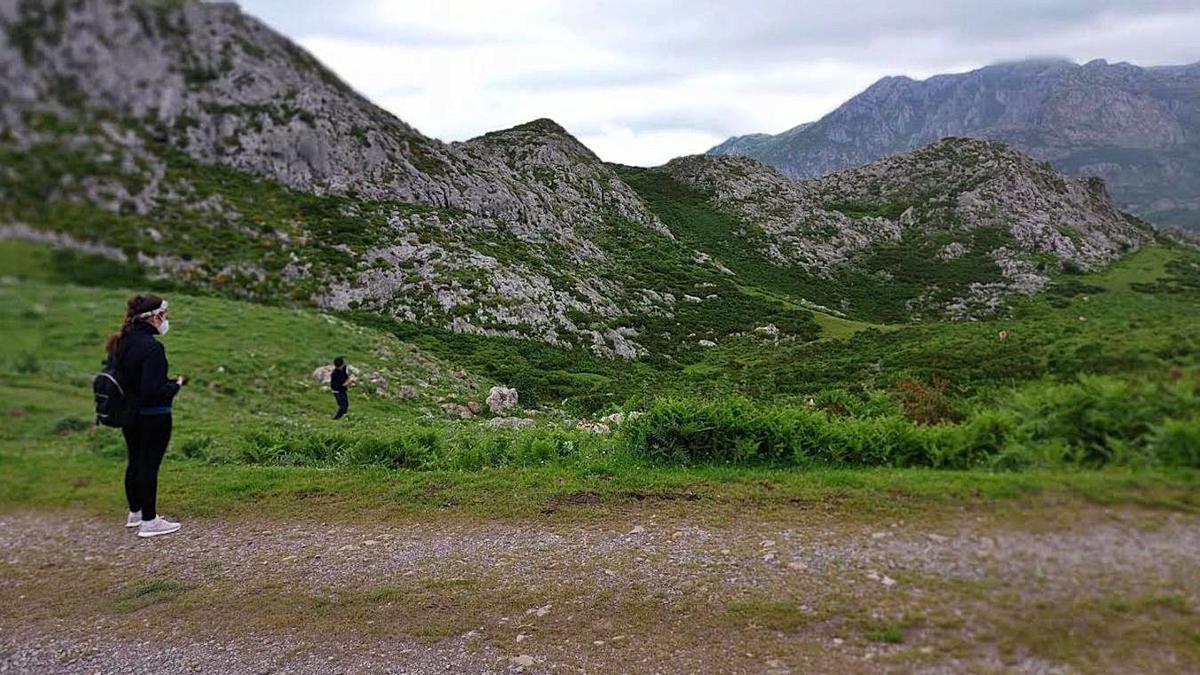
(254, 430)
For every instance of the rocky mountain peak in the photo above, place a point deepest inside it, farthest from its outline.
(953, 198)
(555, 170)
(543, 133)
(718, 174)
(224, 88)
(965, 183)
(542, 126)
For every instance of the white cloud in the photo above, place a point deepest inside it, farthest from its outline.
(642, 82)
(647, 148)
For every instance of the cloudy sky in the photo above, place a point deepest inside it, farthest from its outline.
(643, 81)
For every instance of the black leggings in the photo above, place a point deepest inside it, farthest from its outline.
(146, 439)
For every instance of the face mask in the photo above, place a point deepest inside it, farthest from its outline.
(164, 327)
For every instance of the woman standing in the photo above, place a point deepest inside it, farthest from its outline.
(141, 365)
(339, 379)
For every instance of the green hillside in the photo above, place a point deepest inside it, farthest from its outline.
(250, 365)
(699, 225)
(1118, 322)
(1103, 369)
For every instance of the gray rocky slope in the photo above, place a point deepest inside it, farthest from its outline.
(195, 141)
(225, 88)
(957, 197)
(218, 85)
(1138, 128)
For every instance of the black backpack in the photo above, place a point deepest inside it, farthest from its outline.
(113, 407)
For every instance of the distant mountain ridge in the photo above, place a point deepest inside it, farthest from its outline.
(1137, 128)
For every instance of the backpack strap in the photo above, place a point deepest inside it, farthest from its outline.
(113, 379)
(113, 362)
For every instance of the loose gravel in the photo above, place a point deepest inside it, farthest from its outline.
(637, 592)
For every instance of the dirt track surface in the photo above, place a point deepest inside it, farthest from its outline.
(1082, 590)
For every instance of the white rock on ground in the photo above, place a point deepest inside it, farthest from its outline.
(509, 423)
(502, 399)
(321, 375)
(613, 420)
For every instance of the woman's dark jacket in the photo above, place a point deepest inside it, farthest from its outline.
(337, 379)
(142, 368)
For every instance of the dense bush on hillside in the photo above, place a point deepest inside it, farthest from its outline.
(1094, 421)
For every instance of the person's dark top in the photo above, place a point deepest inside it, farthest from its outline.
(337, 380)
(142, 368)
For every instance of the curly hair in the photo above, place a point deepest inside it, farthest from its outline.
(138, 304)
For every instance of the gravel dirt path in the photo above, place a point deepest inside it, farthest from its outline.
(1081, 589)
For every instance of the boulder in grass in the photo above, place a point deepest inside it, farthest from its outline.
(594, 427)
(501, 399)
(458, 409)
(614, 419)
(509, 423)
(618, 418)
(378, 381)
(321, 375)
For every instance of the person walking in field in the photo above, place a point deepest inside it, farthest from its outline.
(139, 362)
(339, 380)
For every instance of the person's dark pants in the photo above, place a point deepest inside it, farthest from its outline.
(343, 403)
(146, 439)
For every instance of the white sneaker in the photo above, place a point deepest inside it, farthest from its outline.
(134, 519)
(153, 528)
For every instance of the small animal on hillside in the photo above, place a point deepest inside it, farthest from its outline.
(1002, 335)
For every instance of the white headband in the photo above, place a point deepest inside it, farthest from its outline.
(158, 310)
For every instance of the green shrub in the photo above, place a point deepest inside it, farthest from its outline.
(473, 448)
(27, 364)
(1092, 422)
(70, 425)
(106, 443)
(730, 431)
(196, 447)
(1099, 420)
(738, 431)
(408, 450)
(1176, 443)
(461, 448)
(977, 441)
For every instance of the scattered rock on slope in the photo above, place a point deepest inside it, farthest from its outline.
(500, 400)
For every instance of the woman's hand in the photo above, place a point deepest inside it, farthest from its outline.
(181, 380)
